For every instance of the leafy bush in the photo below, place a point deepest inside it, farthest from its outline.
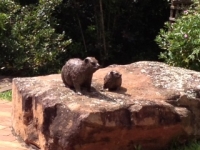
(30, 44)
(190, 145)
(181, 40)
(113, 31)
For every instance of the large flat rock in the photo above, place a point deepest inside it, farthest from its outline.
(156, 105)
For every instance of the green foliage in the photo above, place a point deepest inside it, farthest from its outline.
(25, 2)
(3, 18)
(6, 95)
(137, 147)
(181, 40)
(34, 34)
(192, 145)
(5, 7)
(30, 44)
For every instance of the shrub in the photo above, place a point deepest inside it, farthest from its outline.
(30, 44)
(181, 40)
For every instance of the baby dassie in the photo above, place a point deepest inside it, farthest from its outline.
(77, 73)
(112, 80)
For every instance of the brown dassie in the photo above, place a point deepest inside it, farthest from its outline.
(112, 80)
(77, 73)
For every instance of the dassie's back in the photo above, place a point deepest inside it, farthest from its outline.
(77, 72)
(69, 70)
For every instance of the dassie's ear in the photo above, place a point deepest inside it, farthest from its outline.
(119, 74)
(86, 60)
(112, 72)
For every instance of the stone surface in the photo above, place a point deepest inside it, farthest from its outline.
(156, 105)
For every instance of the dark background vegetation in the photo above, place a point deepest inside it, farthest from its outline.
(113, 31)
(130, 28)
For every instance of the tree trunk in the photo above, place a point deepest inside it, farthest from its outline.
(102, 29)
(83, 38)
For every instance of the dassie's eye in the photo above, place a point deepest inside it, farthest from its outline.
(93, 63)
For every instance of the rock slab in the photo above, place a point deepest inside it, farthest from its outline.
(156, 105)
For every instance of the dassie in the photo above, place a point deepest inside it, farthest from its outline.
(112, 80)
(77, 73)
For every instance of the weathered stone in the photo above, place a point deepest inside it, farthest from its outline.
(156, 104)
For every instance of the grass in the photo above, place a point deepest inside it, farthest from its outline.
(192, 145)
(6, 95)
